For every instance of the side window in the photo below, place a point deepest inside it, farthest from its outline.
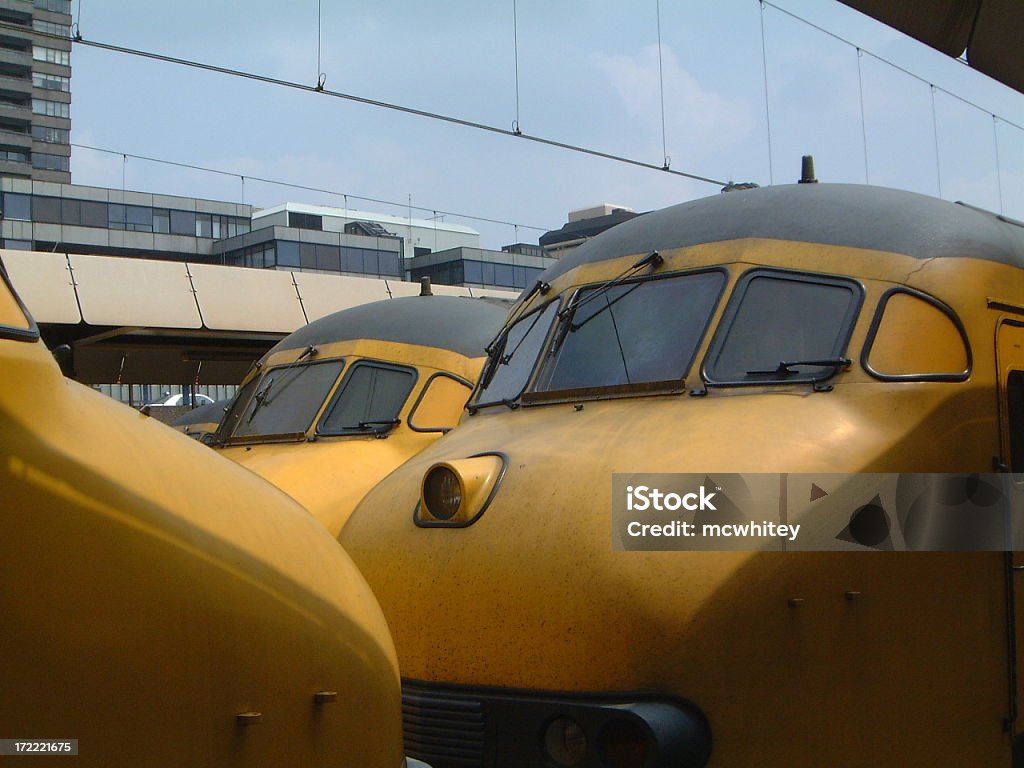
(783, 328)
(440, 404)
(913, 336)
(369, 399)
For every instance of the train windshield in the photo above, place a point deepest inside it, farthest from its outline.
(513, 356)
(784, 328)
(283, 402)
(637, 333)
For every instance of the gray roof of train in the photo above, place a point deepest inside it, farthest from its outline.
(460, 324)
(836, 214)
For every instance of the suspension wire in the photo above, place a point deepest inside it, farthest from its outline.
(304, 187)
(863, 119)
(892, 64)
(767, 109)
(515, 54)
(935, 132)
(999, 172)
(661, 86)
(321, 78)
(370, 102)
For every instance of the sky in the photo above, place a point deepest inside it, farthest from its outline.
(588, 74)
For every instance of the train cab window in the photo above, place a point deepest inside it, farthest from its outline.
(508, 368)
(440, 405)
(369, 399)
(784, 328)
(643, 332)
(286, 399)
(915, 337)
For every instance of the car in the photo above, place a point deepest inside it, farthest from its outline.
(181, 399)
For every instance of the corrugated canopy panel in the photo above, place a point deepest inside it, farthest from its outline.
(233, 299)
(44, 284)
(134, 292)
(324, 294)
(988, 30)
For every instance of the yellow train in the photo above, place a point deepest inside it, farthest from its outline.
(337, 405)
(810, 328)
(164, 607)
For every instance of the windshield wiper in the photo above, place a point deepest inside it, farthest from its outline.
(259, 399)
(786, 369)
(379, 423)
(653, 259)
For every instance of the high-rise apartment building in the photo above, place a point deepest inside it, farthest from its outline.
(35, 89)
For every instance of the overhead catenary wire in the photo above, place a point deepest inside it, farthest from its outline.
(305, 187)
(661, 87)
(884, 60)
(767, 108)
(372, 102)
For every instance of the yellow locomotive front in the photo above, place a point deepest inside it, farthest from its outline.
(810, 329)
(337, 405)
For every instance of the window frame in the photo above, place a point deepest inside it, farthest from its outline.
(489, 369)
(279, 437)
(339, 390)
(661, 387)
(423, 393)
(876, 324)
(732, 308)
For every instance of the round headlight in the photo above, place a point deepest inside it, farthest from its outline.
(442, 493)
(565, 742)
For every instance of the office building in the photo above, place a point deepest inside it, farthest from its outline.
(35, 90)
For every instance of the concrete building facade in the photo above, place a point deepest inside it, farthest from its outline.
(35, 90)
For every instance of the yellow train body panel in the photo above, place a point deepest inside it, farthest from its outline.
(794, 658)
(153, 592)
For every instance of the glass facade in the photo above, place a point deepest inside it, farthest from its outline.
(57, 6)
(473, 272)
(51, 28)
(51, 135)
(320, 257)
(51, 162)
(131, 218)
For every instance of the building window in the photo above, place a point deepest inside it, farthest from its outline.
(14, 99)
(115, 216)
(14, 155)
(51, 28)
(417, 251)
(57, 6)
(50, 82)
(204, 226)
(305, 221)
(183, 223)
(51, 108)
(18, 245)
(17, 206)
(161, 220)
(138, 218)
(51, 135)
(50, 162)
(51, 55)
(93, 214)
(288, 254)
(70, 212)
(46, 210)
(390, 264)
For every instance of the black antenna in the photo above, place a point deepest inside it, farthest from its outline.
(807, 170)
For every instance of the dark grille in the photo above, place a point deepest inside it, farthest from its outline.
(442, 728)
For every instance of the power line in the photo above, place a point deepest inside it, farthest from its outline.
(370, 102)
(320, 190)
(892, 64)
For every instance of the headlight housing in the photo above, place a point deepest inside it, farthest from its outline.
(454, 494)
